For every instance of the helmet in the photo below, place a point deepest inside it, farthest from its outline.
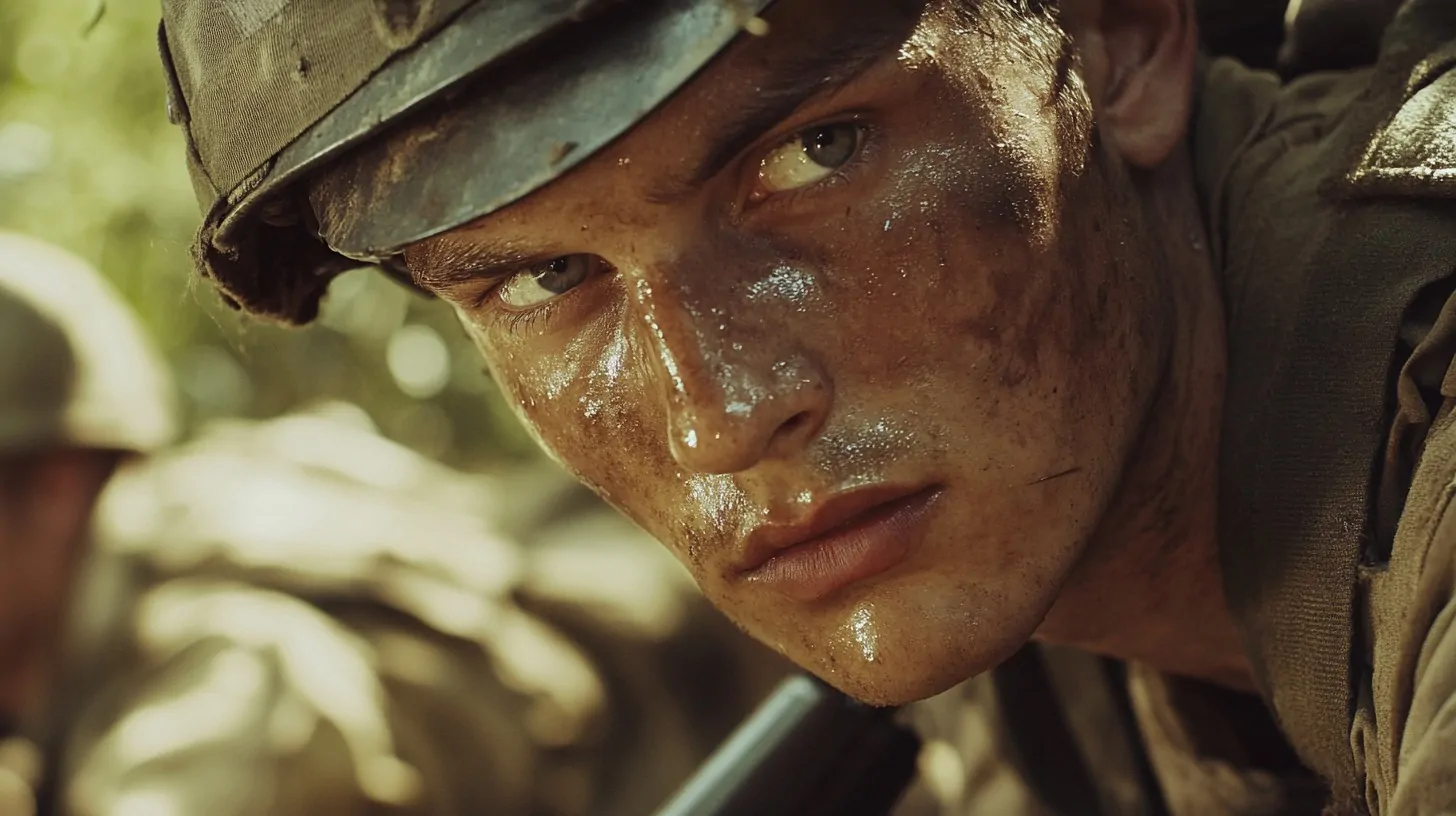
(311, 81)
(77, 369)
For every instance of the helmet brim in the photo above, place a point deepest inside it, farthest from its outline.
(520, 121)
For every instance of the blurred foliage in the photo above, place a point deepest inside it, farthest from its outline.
(88, 160)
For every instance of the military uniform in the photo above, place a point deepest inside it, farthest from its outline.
(299, 617)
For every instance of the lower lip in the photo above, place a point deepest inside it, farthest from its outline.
(817, 568)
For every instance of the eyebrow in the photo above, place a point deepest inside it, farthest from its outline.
(795, 82)
(445, 262)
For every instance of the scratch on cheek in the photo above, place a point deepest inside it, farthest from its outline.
(1054, 476)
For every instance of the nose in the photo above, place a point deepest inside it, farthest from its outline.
(739, 389)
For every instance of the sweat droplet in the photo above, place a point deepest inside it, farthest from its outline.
(786, 285)
(862, 629)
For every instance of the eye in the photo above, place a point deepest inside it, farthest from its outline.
(810, 156)
(538, 284)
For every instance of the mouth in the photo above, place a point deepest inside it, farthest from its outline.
(846, 540)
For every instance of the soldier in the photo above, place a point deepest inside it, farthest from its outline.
(80, 390)
(300, 617)
(920, 330)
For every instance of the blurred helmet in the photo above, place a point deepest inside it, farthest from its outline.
(268, 91)
(76, 369)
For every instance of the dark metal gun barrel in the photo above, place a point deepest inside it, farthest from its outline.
(807, 750)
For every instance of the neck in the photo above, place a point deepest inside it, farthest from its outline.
(1149, 588)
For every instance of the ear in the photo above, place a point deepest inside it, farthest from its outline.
(1138, 59)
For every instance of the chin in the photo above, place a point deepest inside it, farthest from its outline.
(891, 688)
(897, 647)
(898, 683)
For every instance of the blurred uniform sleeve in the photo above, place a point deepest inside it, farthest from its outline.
(328, 624)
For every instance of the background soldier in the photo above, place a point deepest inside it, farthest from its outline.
(80, 390)
(298, 616)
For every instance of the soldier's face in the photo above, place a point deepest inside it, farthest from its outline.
(862, 325)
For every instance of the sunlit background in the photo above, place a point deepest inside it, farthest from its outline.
(89, 161)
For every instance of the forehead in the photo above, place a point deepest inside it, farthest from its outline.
(499, 141)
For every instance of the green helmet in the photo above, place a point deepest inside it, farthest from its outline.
(270, 91)
(87, 377)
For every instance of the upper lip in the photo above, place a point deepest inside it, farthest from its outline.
(768, 540)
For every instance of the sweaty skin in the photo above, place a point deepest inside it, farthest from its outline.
(974, 303)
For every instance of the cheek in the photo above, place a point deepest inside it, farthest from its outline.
(1006, 326)
(987, 250)
(591, 403)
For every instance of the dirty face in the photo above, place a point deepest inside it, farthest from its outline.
(863, 326)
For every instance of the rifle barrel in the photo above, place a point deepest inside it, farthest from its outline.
(808, 749)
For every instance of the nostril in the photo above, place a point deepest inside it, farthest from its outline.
(795, 423)
(792, 434)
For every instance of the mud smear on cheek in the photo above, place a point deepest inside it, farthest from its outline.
(600, 403)
(711, 516)
(1013, 205)
(623, 449)
(573, 399)
(979, 197)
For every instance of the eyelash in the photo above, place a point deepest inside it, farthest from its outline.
(518, 321)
